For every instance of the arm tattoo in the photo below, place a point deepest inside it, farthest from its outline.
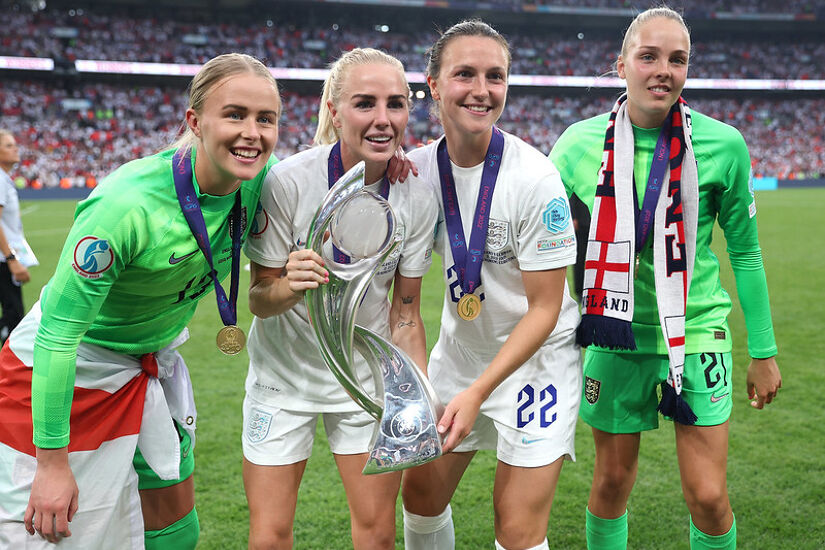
(407, 299)
(402, 324)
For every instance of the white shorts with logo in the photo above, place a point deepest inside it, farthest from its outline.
(530, 419)
(275, 437)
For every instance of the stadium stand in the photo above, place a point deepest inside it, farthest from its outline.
(559, 52)
(75, 127)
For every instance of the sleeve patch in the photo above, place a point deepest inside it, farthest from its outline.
(752, 209)
(546, 245)
(259, 223)
(92, 257)
(556, 215)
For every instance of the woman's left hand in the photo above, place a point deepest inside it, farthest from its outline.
(764, 380)
(399, 167)
(458, 418)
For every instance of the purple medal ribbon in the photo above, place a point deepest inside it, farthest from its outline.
(188, 199)
(468, 260)
(335, 169)
(661, 159)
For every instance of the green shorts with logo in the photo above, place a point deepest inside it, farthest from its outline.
(148, 479)
(622, 390)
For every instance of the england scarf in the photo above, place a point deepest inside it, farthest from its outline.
(609, 263)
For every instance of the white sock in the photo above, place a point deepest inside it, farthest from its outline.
(542, 546)
(428, 532)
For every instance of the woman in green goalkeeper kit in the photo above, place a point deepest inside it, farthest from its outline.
(656, 176)
(98, 416)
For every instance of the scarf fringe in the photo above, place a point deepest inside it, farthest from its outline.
(606, 332)
(674, 406)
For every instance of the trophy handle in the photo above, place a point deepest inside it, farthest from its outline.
(406, 434)
(408, 409)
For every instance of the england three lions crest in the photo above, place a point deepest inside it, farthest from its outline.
(498, 233)
(591, 389)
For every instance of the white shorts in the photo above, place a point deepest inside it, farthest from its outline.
(275, 437)
(530, 419)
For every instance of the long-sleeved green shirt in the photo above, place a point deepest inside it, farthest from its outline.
(725, 195)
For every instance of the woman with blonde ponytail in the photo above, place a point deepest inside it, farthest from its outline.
(98, 413)
(362, 117)
(657, 177)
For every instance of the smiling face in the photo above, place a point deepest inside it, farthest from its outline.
(471, 88)
(371, 115)
(237, 130)
(655, 66)
(9, 152)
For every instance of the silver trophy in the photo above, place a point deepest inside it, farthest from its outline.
(406, 406)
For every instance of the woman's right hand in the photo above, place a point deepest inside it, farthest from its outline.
(305, 270)
(54, 496)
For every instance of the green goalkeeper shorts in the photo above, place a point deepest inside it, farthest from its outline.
(622, 390)
(148, 479)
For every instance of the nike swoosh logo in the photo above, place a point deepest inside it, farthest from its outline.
(714, 399)
(526, 441)
(173, 260)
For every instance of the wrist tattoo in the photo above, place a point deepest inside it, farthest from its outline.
(402, 324)
(407, 299)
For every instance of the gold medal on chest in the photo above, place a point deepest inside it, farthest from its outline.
(469, 307)
(230, 340)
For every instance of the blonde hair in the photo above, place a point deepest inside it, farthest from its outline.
(334, 86)
(647, 15)
(4, 132)
(213, 72)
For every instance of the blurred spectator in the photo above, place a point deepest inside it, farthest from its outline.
(81, 135)
(89, 35)
(17, 256)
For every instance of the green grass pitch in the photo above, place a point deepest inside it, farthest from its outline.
(776, 467)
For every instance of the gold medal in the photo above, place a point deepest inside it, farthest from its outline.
(230, 340)
(469, 307)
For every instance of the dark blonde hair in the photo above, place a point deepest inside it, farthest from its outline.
(214, 71)
(334, 85)
(471, 27)
(647, 15)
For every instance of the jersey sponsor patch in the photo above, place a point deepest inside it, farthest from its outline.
(752, 209)
(498, 233)
(556, 215)
(259, 223)
(546, 245)
(92, 257)
(591, 389)
(257, 428)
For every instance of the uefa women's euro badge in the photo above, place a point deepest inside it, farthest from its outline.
(362, 235)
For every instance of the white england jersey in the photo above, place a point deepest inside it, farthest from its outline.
(286, 368)
(530, 229)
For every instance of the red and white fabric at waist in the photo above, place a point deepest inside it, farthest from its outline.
(115, 395)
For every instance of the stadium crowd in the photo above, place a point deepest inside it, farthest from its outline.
(87, 35)
(74, 138)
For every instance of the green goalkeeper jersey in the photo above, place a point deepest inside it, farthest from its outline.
(725, 195)
(128, 279)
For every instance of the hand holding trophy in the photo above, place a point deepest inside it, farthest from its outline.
(362, 231)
